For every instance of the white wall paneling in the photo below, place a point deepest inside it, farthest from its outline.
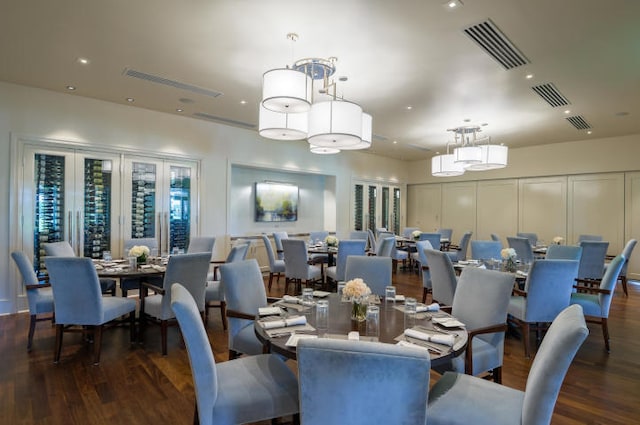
(497, 209)
(424, 206)
(542, 207)
(632, 221)
(459, 202)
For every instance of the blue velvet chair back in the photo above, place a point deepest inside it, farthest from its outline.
(201, 244)
(151, 243)
(237, 253)
(592, 260)
(608, 282)
(359, 234)
(626, 253)
(384, 246)
(464, 246)
(549, 286)
(564, 252)
(485, 250)
(523, 248)
(277, 239)
(275, 265)
(295, 259)
(190, 270)
(421, 245)
(318, 236)
(408, 232)
(496, 238)
(443, 276)
(347, 248)
(533, 237)
(445, 234)
(433, 238)
(40, 300)
(374, 270)
(594, 238)
(58, 249)
(369, 382)
(372, 240)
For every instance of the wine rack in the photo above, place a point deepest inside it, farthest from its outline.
(143, 200)
(180, 201)
(49, 223)
(372, 208)
(358, 207)
(97, 207)
(385, 209)
(396, 211)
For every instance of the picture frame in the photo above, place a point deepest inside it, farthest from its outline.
(276, 202)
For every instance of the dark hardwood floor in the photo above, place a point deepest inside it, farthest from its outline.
(135, 384)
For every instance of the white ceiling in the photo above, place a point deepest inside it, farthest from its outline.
(395, 54)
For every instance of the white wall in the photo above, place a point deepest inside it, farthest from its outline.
(40, 113)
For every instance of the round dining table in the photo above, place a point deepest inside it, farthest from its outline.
(340, 324)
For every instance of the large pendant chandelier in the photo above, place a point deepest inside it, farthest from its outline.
(289, 111)
(470, 153)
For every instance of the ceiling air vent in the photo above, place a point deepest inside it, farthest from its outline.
(171, 83)
(551, 95)
(579, 122)
(223, 120)
(488, 36)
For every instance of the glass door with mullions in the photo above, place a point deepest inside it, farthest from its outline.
(374, 206)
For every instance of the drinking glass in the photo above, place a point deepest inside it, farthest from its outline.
(307, 296)
(410, 306)
(373, 320)
(106, 256)
(322, 316)
(133, 262)
(341, 286)
(390, 294)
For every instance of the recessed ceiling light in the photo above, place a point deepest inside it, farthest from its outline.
(179, 110)
(395, 142)
(589, 132)
(409, 108)
(452, 4)
(130, 99)
(243, 102)
(621, 114)
(528, 76)
(83, 61)
(71, 87)
(566, 111)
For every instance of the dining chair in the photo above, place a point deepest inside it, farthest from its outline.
(132, 283)
(563, 252)
(297, 267)
(39, 294)
(523, 248)
(423, 267)
(78, 301)
(445, 234)
(64, 249)
(213, 293)
(434, 241)
(460, 253)
(408, 232)
(190, 270)
(384, 246)
(245, 294)
(458, 399)
(533, 237)
(346, 248)
(276, 266)
(594, 238)
(486, 250)
(368, 382)
(201, 244)
(626, 253)
(592, 261)
(372, 241)
(246, 390)
(480, 302)
(443, 277)
(314, 238)
(277, 239)
(373, 270)
(596, 301)
(547, 291)
(359, 234)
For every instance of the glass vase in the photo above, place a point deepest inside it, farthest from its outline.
(358, 309)
(510, 265)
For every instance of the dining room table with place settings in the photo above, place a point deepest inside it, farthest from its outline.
(282, 324)
(121, 268)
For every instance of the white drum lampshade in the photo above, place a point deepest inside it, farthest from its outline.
(335, 123)
(286, 90)
(282, 126)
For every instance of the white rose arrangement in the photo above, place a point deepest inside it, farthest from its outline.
(416, 234)
(558, 240)
(331, 240)
(141, 252)
(508, 253)
(356, 288)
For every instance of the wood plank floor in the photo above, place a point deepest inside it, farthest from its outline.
(135, 384)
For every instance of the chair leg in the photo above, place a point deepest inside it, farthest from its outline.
(58, 345)
(605, 334)
(32, 329)
(497, 375)
(286, 285)
(623, 279)
(97, 343)
(233, 354)
(163, 332)
(270, 280)
(525, 337)
(196, 417)
(425, 291)
(132, 327)
(223, 312)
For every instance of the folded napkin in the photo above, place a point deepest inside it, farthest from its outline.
(412, 345)
(522, 273)
(431, 307)
(283, 323)
(291, 299)
(445, 339)
(449, 322)
(159, 268)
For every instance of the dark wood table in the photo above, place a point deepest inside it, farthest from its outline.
(329, 251)
(120, 269)
(340, 324)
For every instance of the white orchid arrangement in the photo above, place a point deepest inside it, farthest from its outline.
(356, 288)
(331, 240)
(139, 251)
(416, 234)
(508, 253)
(558, 240)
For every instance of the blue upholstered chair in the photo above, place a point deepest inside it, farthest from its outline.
(496, 238)
(532, 237)
(485, 250)
(63, 249)
(356, 382)
(278, 237)
(130, 283)
(245, 294)
(201, 244)
(250, 389)
(592, 260)
(596, 301)
(213, 294)
(626, 253)
(462, 399)
(384, 246)
(443, 277)
(547, 291)
(395, 254)
(480, 302)
(375, 271)
(360, 234)
(408, 232)
(276, 266)
(78, 301)
(445, 234)
(423, 264)
(460, 253)
(346, 248)
(315, 237)
(594, 238)
(297, 267)
(190, 270)
(564, 252)
(39, 294)
(434, 241)
(522, 246)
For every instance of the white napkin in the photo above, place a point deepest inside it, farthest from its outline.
(431, 307)
(291, 299)
(290, 321)
(412, 345)
(449, 322)
(444, 339)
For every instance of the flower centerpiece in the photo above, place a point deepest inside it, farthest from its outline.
(558, 240)
(358, 292)
(509, 256)
(331, 241)
(416, 234)
(141, 253)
